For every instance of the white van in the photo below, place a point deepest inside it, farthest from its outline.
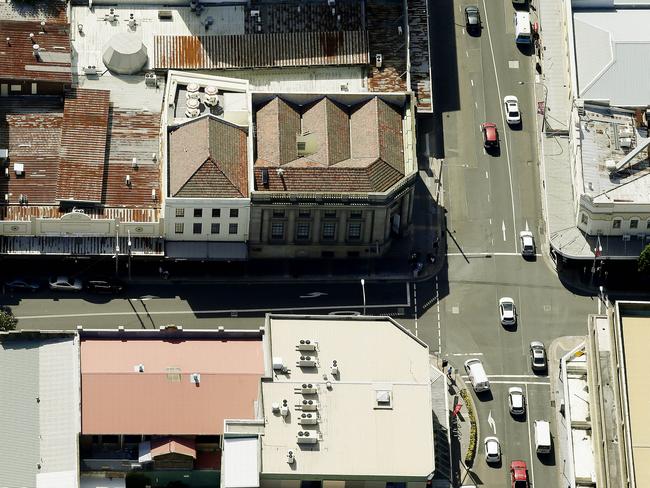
(477, 375)
(523, 33)
(542, 437)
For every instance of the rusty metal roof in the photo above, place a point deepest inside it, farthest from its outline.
(83, 145)
(261, 50)
(17, 60)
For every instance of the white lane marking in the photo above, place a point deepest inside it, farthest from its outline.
(530, 444)
(438, 312)
(490, 221)
(488, 197)
(505, 132)
(503, 229)
(408, 295)
(492, 423)
(464, 31)
(472, 82)
(525, 383)
(313, 294)
(511, 375)
(415, 306)
(472, 254)
(466, 53)
(487, 175)
(475, 105)
(467, 354)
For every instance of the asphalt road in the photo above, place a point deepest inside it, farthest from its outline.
(489, 199)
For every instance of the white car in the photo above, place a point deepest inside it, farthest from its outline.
(492, 450)
(516, 400)
(65, 283)
(513, 115)
(507, 311)
(538, 356)
(527, 243)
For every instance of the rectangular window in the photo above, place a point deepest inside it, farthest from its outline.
(330, 214)
(234, 213)
(180, 212)
(198, 212)
(216, 213)
(616, 224)
(355, 214)
(302, 231)
(197, 228)
(305, 214)
(232, 228)
(277, 230)
(584, 218)
(634, 224)
(647, 224)
(354, 231)
(278, 213)
(179, 227)
(215, 228)
(329, 230)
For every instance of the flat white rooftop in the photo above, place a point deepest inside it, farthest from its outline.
(611, 55)
(583, 456)
(579, 398)
(374, 417)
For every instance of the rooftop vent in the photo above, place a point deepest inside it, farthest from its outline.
(153, 194)
(278, 364)
(150, 79)
(335, 368)
(284, 409)
(265, 176)
(195, 378)
(139, 368)
(127, 180)
(164, 15)
(290, 458)
(22, 199)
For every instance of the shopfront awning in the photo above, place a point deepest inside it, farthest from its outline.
(218, 251)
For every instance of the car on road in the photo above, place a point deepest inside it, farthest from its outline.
(519, 474)
(22, 284)
(490, 135)
(507, 311)
(65, 283)
(538, 356)
(472, 19)
(516, 400)
(513, 115)
(527, 243)
(105, 285)
(492, 450)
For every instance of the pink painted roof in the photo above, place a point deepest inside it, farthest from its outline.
(162, 400)
(175, 445)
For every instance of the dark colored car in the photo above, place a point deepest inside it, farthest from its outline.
(105, 285)
(490, 135)
(472, 19)
(22, 284)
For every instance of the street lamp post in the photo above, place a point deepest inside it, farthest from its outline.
(128, 243)
(545, 99)
(117, 251)
(363, 291)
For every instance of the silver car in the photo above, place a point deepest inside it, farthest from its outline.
(507, 311)
(538, 356)
(492, 450)
(65, 283)
(516, 400)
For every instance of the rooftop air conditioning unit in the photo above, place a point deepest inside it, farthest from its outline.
(150, 79)
(335, 368)
(306, 362)
(290, 458)
(90, 70)
(195, 378)
(278, 364)
(6, 172)
(306, 437)
(308, 389)
(255, 13)
(265, 176)
(22, 199)
(164, 15)
(153, 194)
(331, 3)
(19, 169)
(308, 419)
(379, 59)
(306, 345)
(309, 406)
(284, 409)
(4, 154)
(127, 180)
(625, 142)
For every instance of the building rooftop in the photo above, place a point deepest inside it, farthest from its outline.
(165, 397)
(608, 134)
(326, 144)
(48, 10)
(377, 403)
(611, 55)
(635, 337)
(20, 59)
(40, 402)
(79, 151)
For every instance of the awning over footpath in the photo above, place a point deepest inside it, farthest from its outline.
(225, 251)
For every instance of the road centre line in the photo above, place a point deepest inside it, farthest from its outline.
(505, 131)
(472, 82)
(467, 354)
(511, 376)
(483, 254)
(525, 383)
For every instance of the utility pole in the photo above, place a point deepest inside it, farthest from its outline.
(117, 251)
(363, 290)
(128, 243)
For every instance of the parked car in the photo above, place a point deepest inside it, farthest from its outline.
(538, 356)
(527, 243)
(513, 115)
(22, 284)
(507, 311)
(519, 474)
(105, 285)
(490, 135)
(472, 19)
(65, 283)
(516, 400)
(492, 450)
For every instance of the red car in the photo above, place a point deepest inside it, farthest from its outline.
(490, 135)
(519, 474)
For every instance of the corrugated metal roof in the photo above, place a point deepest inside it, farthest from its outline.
(261, 50)
(83, 145)
(17, 59)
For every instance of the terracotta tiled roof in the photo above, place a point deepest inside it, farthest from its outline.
(116, 398)
(359, 149)
(208, 157)
(173, 445)
(261, 50)
(83, 145)
(17, 60)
